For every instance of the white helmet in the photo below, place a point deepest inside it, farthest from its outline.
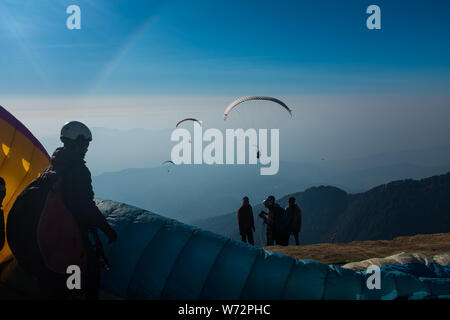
(75, 130)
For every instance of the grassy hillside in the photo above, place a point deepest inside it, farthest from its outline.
(340, 253)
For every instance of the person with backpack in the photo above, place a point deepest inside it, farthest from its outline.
(53, 221)
(246, 222)
(2, 218)
(78, 196)
(277, 222)
(296, 221)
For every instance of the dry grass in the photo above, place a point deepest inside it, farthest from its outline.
(340, 253)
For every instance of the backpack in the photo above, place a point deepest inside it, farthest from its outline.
(22, 222)
(58, 235)
(30, 238)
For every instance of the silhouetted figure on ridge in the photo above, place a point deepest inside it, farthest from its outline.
(296, 220)
(277, 223)
(246, 222)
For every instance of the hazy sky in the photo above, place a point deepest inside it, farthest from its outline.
(147, 64)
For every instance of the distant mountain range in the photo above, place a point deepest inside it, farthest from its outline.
(126, 167)
(193, 192)
(400, 208)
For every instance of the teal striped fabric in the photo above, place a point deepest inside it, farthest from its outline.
(160, 258)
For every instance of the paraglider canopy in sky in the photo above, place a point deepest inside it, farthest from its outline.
(168, 163)
(244, 99)
(22, 159)
(189, 119)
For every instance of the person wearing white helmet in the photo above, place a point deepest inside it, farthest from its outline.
(78, 196)
(69, 222)
(76, 136)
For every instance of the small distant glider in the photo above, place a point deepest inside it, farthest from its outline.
(240, 100)
(188, 119)
(258, 153)
(167, 162)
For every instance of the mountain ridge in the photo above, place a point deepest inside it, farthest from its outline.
(398, 208)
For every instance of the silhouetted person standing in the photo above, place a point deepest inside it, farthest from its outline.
(2, 218)
(65, 192)
(78, 196)
(296, 220)
(276, 233)
(246, 221)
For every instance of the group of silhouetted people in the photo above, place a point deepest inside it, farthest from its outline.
(281, 223)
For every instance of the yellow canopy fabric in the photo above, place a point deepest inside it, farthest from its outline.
(22, 159)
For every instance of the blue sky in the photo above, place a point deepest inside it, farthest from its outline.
(222, 48)
(148, 64)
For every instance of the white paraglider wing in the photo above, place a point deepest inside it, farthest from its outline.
(240, 100)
